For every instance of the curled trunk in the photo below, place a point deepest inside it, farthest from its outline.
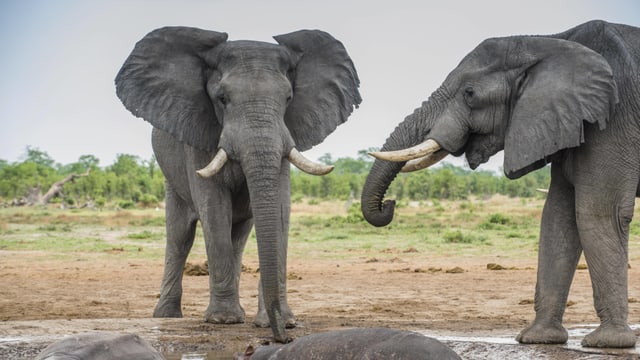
(412, 131)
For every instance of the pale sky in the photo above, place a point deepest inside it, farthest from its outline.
(59, 59)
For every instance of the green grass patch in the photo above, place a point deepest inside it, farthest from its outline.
(475, 227)
(458, 237)
(146, 234)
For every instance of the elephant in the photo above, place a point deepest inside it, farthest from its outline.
(100, 346)
(571, 100)
(358, 343)
(228, 118)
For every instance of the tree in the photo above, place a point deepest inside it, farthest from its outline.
(39, 157)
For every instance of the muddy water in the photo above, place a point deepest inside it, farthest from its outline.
(494, 347)
(25, 339)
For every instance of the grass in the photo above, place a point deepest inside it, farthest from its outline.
(498, 226)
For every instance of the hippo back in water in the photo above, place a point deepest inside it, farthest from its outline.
(100, 346)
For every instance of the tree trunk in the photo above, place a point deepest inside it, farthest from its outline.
(35, 196)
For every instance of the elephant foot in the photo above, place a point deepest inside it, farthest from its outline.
(167, 310)
(543, 333)
(224, 315)
(262, 319)
(611, 336)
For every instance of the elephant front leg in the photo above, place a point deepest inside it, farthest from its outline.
(181, 228)
(604, 226)
(558, 256)
(225, 243)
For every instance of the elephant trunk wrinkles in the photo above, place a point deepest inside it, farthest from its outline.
(412, 131)
(262, 170)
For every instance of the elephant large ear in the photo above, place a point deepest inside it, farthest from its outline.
(565, 85)
(164, 82)
(325, 86)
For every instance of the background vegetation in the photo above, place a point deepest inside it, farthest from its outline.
(131, 181)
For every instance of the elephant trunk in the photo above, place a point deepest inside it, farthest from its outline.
(262, 168)
(412, 131)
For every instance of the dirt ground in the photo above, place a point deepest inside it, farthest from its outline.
(42, 300)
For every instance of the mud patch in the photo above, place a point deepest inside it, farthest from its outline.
(44, 299)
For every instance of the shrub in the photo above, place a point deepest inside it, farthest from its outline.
(495, 221)
(101, 202)
(148, 200)
(499, 219)
(457, 237)
(126, 204)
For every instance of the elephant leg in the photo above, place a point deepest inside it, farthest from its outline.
(603, 220)
(225, 263)
(558, 256)
(181, 223)
(262, 320)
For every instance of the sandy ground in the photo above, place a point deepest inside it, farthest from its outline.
(42, 300)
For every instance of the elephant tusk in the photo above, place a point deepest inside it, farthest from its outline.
(424, 162)
(215, 165)
(425, 148)
(306, 165)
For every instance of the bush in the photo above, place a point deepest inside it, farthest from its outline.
(126, 204)
(457, 237)
(101, 202)
(148, 200)
(354, 214)
(495, 221)
(499, 219)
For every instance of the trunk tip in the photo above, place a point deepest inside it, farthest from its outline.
(381, 216)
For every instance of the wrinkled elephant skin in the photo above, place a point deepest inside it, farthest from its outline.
(570, 99)
(100, 346)
(251, 107)
(355, 344)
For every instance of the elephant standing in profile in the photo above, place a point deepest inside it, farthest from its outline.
(572, 100)
(251, 107)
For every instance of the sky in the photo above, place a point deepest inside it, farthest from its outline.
(58, 60)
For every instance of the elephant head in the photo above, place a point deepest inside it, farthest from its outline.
(252, 103)
(528, 96)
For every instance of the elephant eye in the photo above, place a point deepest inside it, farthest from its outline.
(468, 95)
(222, 98)
(468, 92)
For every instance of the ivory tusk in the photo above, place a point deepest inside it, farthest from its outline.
(423, 149)
(306, 165)
(215, 165)
(424, 162)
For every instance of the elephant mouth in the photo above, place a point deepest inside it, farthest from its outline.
(417, 157)
(294, 157)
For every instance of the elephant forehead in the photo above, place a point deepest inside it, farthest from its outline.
(251, 53)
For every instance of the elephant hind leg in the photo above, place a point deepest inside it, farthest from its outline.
(181, 223)
(559, 253)
(604, 230)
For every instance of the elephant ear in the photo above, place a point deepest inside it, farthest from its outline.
(325, 86)
(164, 82)
(566, 85)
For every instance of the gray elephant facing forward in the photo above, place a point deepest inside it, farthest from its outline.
(572, 100)
(254, 105)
